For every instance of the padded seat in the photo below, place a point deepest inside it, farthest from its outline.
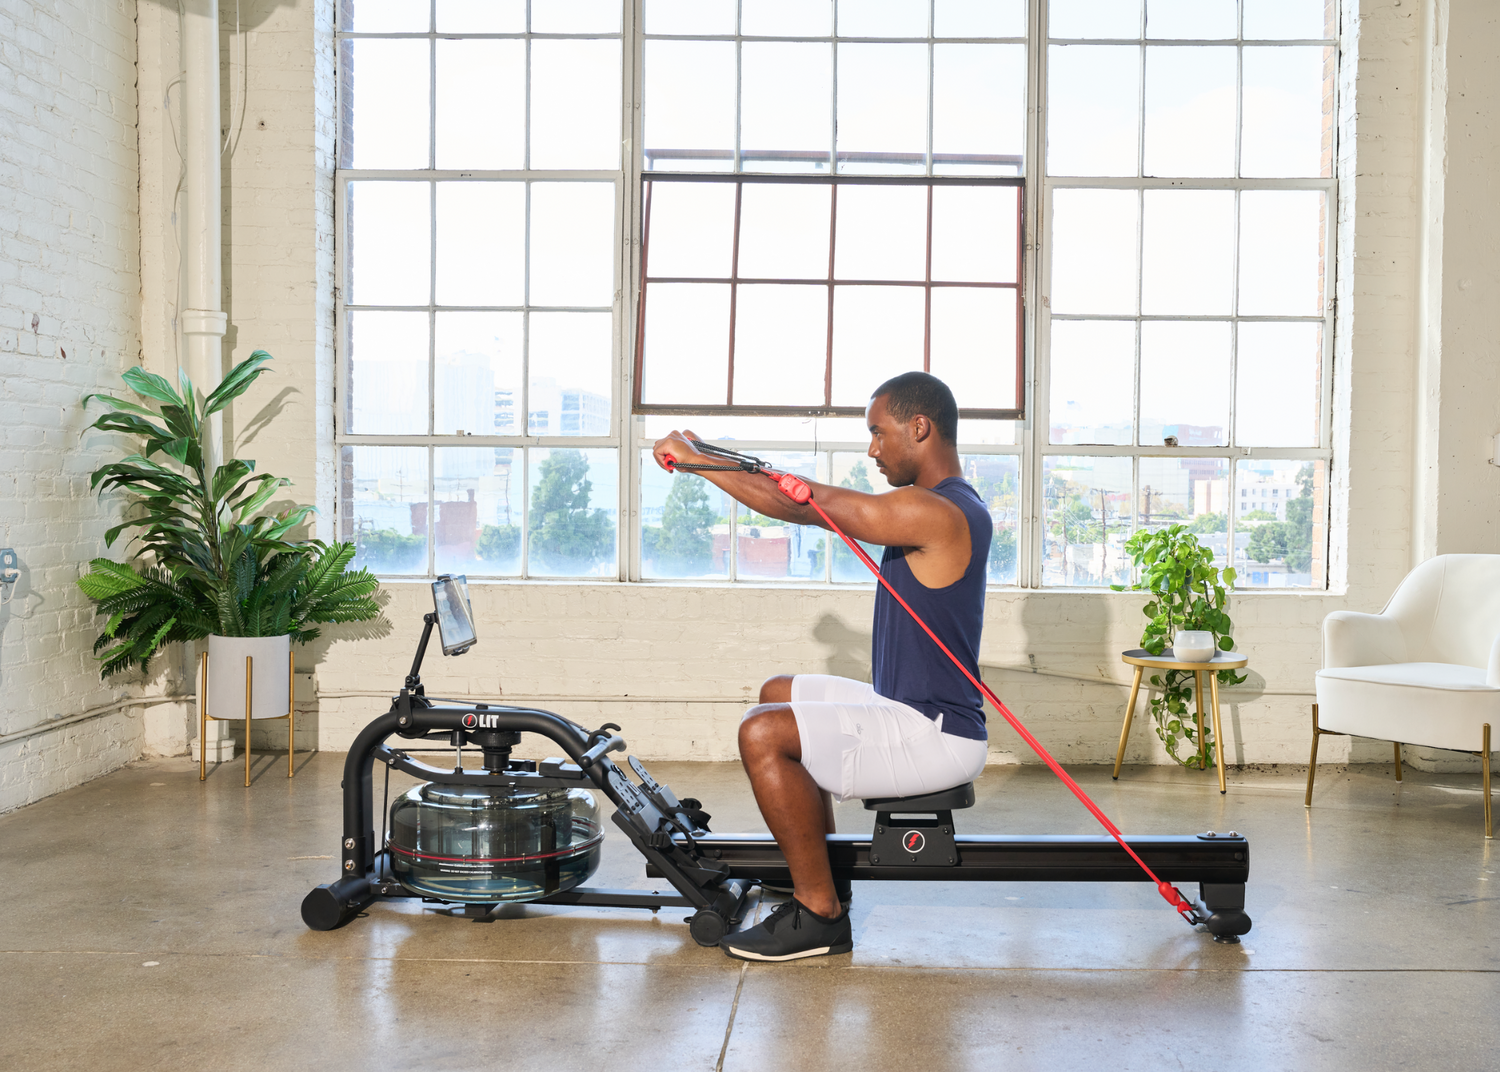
(960, 796)
(1436, 704)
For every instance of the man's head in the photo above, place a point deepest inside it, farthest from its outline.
(912, 418)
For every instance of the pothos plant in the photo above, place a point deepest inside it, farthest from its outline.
(1187, 592)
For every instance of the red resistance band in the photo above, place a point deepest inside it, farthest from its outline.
(796, 489)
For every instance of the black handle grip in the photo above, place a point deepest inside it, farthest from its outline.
(614, 743)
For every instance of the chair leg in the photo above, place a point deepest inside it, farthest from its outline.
(249, 675)
(1398, 759)
(291, 710)
(1312, 763)
(1135, 689)
(203, 716)
(1484, 756)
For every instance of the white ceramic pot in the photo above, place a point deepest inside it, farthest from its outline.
(1193, 645)
(271, 677)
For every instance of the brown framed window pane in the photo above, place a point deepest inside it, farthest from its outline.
(685, 360)
(881, 233)
(692, 230)
(877, 333)
(973, 347)
(780, 344)
(784, 229)
(974, 233)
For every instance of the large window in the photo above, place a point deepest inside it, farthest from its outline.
(568, 227)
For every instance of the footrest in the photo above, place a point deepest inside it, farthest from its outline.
(960, 796)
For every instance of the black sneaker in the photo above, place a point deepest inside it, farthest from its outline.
(792, 931)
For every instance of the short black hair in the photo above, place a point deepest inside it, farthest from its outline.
(913, 394)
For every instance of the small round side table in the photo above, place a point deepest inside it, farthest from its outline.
(1143, 660)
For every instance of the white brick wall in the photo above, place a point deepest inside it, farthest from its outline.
(69, 324)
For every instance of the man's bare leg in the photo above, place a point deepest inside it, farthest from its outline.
(798, 813)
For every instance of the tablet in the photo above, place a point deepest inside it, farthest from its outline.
(455, 618)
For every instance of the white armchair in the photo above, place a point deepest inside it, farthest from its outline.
(1424, 671)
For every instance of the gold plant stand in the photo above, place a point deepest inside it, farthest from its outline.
(204, 716)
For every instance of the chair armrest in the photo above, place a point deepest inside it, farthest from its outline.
(1492, 678)
(1354, 639)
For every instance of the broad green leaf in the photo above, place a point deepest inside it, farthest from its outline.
(150, 385)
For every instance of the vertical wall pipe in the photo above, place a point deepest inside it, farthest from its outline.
(203, 318)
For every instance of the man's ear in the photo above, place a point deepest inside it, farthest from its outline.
(921, 428)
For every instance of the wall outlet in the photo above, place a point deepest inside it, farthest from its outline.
(10, 566)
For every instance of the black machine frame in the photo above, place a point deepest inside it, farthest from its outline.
(914, 839)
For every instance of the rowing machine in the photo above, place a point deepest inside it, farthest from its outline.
(521, 830)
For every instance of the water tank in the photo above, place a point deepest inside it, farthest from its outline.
(487, 844)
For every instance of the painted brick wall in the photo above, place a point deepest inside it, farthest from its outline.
(69, 323)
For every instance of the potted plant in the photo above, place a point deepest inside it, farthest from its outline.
(1188, 592)
(211, 562)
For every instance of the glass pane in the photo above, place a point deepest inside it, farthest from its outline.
(689, 105)
(384, 16)
(568, 355)
(986, 433)
(686, 360)
(786, 18)
(575, 104)
(996, 478)
(1094, 19)
(387, 367)
(974, 345)
(389, 249)
(572, 243)
(974, 234)
(1277, 385)
(1281, 524)
(478, 373)
(881, 233)
(978, 108)
(692, 229)
(481, 105)
(1092, 108)
(784, 231)
(481, 16)
(1187, 491)
(684, 524)
(1270, 20)
(1281, 252)
(1187, 259)
(384, 507)
(481, 243)
(786, 105)
(772, 550)
(1086, 520)
(1190, 111)
(858, 472)
(477, 491)
(575, 16)
(877, 333)
(780, 345)
(1093, 251)
(882, 108)
(1093, 381)
(389, 101)
(1288, 112)
(575, 504)
(882, 18)
(1185, 382)
(1191, 20)
(690, 16)
(979, 18)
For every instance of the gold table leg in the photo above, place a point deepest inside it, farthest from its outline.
(1198, 699)
(1489, 818)
(1398, 759)
(249, 668)
(1312, 763)
(291, 710)
(1135, 688)
(1213, 689)
(203, 716)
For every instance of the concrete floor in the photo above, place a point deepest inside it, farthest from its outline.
(153, 924)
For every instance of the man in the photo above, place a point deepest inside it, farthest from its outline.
(919, 728)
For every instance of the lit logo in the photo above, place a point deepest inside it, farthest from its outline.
(913, 841)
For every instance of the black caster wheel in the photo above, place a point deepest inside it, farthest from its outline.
(707, 926)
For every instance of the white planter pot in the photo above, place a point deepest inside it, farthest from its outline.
(1193, 645)
(270, 682)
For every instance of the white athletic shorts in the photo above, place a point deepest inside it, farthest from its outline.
(857, 744)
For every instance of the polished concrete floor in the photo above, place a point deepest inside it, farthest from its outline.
(152, 923)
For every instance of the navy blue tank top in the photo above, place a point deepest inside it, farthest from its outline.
(909, 667)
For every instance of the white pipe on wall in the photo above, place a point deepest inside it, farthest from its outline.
(203, 319)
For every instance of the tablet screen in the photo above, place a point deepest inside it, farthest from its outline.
(450, 598)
